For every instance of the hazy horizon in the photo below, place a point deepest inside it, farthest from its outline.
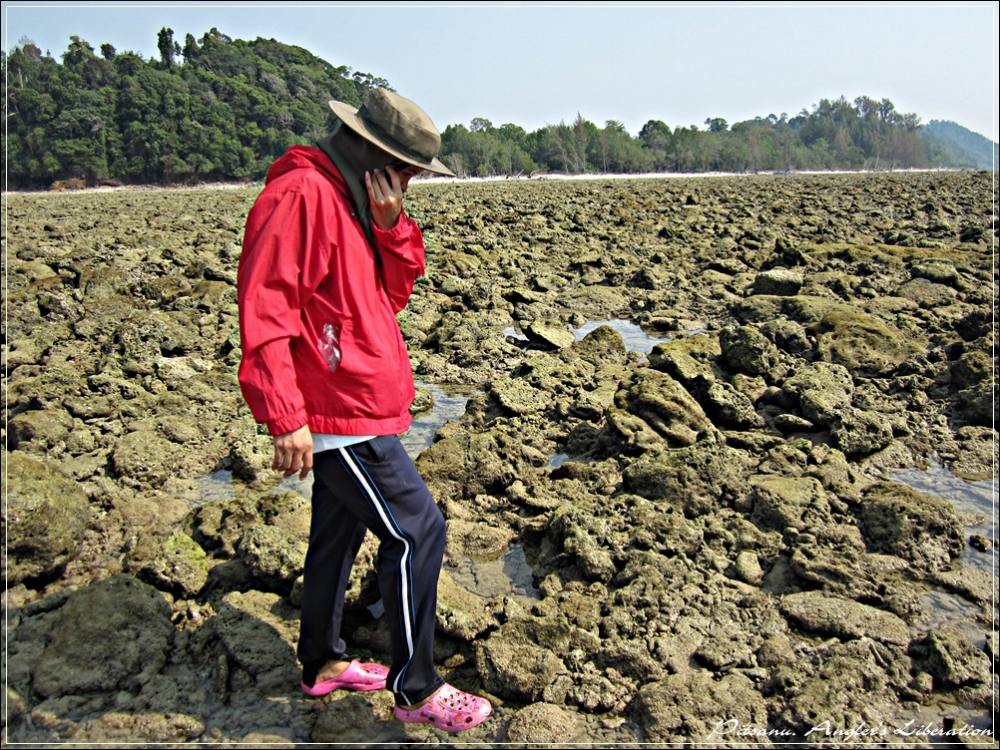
(679, 64)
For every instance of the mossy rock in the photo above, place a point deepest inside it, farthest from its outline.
(664, 405)
(175, 564)
(46, 516)
(862, 343)
(697, 478)
(687, 358)
(110, 636)
(923, 529)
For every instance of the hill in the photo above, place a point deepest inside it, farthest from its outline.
(213, 109)
(951, 144)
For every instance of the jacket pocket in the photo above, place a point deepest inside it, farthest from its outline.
(328, 343)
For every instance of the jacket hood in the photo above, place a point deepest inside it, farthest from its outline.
(306, 157)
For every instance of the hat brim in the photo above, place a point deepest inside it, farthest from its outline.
(349, 116)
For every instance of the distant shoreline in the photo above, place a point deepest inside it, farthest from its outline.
(506, 178)
(680, 175)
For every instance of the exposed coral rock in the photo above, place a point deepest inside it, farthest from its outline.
(920, 528)
(110, 636)
(45, 519)
(665, 545)
(820, 613)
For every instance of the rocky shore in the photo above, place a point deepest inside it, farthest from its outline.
(707, 539)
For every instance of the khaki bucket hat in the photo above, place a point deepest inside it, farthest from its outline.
(397, 125)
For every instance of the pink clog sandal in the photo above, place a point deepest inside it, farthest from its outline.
(448, 708)
(363, 676)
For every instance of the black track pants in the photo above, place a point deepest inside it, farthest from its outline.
(375, 485)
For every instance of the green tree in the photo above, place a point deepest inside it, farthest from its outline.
(480, 125)
(655, 137)
(190, 51)
(165, 43)
(716, 124)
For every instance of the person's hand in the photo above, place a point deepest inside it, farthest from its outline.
(293, 452)
(385, 193)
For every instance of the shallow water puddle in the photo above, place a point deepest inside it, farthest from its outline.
(508, 574)
(557, 459)
(976, 499)
(512, 331)
(945, 609)
(636, 339)
(449, 403)
(216, 485)
(976, 502)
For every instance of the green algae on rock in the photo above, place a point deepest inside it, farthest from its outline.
(665, 406)
(694, 704)
(781, 502)
(516, 667)
(863, 343)
(246, 624)
(918, 527)
(45, 519)
(176, 563)
(546, 723)
(686, 358)
(950, 659)
(745, 349)
(696, 478)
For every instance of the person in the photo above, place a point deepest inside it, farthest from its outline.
(329, 258)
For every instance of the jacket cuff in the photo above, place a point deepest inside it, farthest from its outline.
(398, 233)
(287, 423)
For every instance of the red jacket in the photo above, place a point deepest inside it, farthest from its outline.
(306, 262)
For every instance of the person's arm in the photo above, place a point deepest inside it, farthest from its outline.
(278, 268)
(401, 250)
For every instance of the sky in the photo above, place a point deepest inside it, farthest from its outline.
(539, 64)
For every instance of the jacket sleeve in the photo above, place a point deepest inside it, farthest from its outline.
(402, 254)
(278, 266)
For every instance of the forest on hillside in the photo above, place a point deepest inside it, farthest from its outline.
(218, 108)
